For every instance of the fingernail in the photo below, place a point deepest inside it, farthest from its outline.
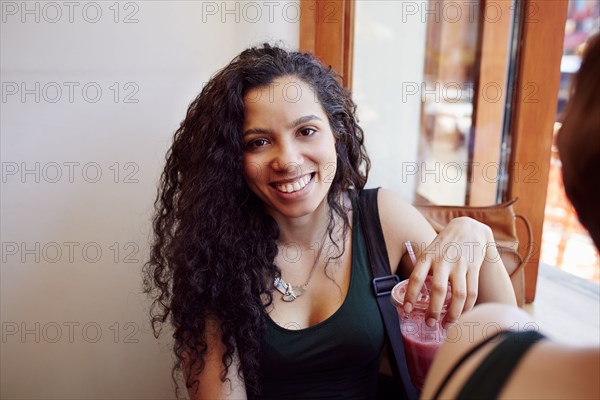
(408, 308)
(430, 322)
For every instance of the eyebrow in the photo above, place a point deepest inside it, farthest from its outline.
(294, 124)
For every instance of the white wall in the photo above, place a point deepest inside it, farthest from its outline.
(389, 52)
(53, 302)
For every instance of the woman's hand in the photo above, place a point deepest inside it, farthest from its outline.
(456, 255)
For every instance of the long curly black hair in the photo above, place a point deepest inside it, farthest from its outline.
(213, 247)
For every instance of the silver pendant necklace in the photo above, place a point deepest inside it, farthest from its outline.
(291, 292)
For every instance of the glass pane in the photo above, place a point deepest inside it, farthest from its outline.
(418, 84)
(385, 63)
(565, 243)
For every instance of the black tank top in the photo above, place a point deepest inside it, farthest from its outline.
(337, 358)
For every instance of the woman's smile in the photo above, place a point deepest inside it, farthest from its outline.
(293, 185)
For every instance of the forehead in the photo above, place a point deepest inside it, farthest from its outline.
(283, 100)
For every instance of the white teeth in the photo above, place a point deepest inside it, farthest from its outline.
(294, 186)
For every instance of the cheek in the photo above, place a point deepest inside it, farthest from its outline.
(328, 172)
(331, 154)
(252, 170)
(328, 163)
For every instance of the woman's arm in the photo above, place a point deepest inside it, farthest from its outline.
(463, 253)
(211, 386)
(494, 283)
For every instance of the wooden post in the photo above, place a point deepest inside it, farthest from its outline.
(489, 105)
(535, 104)
(327, 31)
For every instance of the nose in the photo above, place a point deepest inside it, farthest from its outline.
(287, 158)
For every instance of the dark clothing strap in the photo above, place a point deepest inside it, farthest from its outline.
(489, 378)
(383, 283)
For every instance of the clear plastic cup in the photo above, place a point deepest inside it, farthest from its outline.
(421, 342)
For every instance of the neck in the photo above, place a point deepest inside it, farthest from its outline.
(306, 230)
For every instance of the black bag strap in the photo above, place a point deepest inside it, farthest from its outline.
(383, 282)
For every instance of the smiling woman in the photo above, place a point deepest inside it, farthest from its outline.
(253, 261)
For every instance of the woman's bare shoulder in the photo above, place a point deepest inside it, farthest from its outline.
(548, 369)
(400, 221)
(472, 328)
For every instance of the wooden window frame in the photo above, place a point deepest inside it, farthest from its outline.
(327, 31)
(532, 125)
(489, 104)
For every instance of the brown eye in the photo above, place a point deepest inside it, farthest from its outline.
(307, 131)
(257, 143)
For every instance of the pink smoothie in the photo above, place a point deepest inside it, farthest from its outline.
(421, 342)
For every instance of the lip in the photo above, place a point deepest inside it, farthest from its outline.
(294, 195)
(286, 181)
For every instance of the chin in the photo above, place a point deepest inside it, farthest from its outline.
(299, 209)
(294, 211)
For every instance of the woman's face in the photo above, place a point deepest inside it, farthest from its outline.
(289, 148)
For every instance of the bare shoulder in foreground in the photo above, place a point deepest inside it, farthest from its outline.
(547, 369)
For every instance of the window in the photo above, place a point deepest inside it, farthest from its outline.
(433, 104)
